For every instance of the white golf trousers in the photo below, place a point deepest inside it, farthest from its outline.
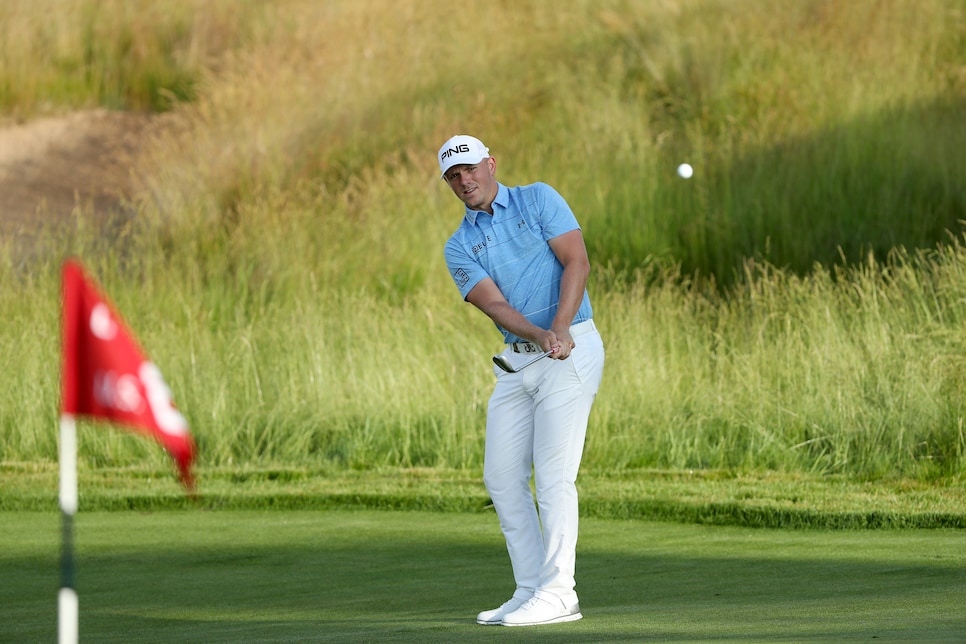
(536, 423)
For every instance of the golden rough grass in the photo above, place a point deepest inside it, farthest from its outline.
(298, 220)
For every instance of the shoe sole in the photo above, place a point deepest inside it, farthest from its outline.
(556, 620)
(491, 623)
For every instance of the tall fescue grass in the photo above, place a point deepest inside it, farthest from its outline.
(796, 306)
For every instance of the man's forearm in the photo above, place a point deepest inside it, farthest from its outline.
(513, 321)
(573, 283)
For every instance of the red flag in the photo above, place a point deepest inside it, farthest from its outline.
(107, 376)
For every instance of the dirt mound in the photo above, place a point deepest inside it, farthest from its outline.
(51, 166)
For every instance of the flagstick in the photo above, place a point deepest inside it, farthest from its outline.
(67, 605)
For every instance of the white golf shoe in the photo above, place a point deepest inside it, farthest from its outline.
(538, 610)
(495, 617)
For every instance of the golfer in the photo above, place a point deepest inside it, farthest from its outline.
(519, 256)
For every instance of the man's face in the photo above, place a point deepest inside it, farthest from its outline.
(474, 184)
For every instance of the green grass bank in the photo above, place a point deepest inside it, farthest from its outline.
(758, 500)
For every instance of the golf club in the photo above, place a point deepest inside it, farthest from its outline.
(502, 362)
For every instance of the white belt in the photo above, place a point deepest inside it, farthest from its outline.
(578, 329)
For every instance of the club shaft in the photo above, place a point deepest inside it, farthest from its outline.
(502, 362)
(530, 362)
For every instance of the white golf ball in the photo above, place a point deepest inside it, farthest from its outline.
(685, 171)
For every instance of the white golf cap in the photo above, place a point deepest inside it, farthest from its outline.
(459, 150)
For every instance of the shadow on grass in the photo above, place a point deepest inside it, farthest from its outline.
(896, 178)
(390, 576)
(888, 180)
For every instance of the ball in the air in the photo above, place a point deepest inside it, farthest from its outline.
(685, 171)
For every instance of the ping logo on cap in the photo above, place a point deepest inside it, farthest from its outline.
(459, 149)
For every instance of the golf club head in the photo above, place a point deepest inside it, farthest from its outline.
(501, 361)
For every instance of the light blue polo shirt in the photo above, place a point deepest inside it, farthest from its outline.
(510, 246)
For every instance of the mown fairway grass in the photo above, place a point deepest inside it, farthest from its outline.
(235, 576)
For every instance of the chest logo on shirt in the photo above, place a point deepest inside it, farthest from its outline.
(478, 248)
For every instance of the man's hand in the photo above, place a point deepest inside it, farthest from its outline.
(562, 344)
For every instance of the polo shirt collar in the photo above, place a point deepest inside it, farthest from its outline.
(502, 200)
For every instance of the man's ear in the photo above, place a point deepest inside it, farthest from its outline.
(491, 162)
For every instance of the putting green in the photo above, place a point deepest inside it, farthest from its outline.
(229, 576)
